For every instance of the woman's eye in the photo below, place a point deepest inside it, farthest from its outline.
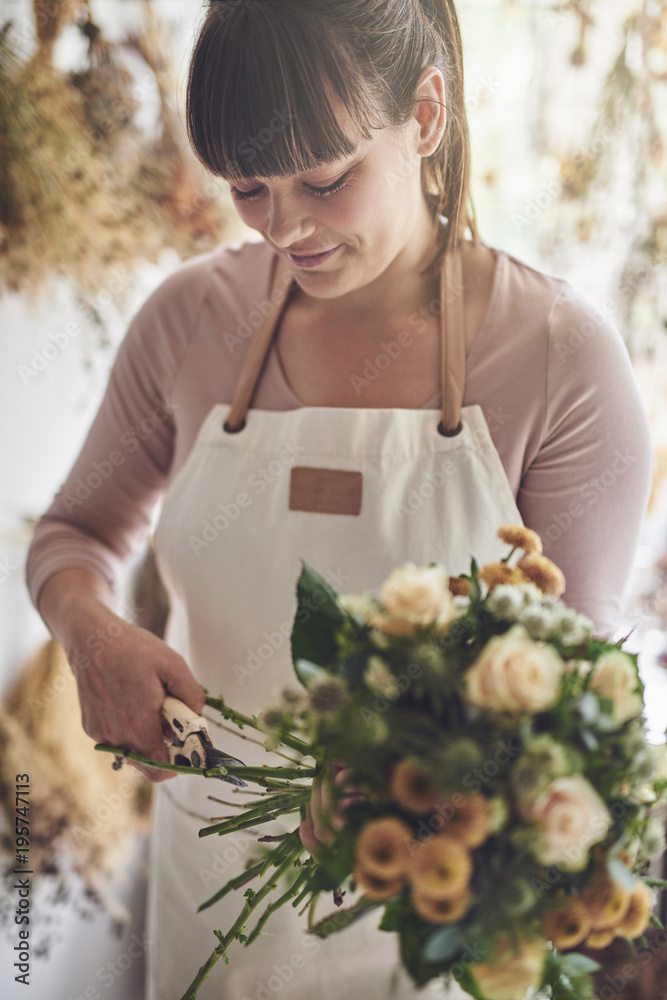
(331, 189)
(316, 191)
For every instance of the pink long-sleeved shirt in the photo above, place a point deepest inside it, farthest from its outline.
(551, 373)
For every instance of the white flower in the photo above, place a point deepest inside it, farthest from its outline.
(660, 754)
(362, 606)
(515, 674)
(572, 818)
(538, 619)
(505, 601)
(415, 595)
(615, 677)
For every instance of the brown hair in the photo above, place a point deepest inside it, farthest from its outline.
(258, 89)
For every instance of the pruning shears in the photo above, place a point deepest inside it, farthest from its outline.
(191, 744)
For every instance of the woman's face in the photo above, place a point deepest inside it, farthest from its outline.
(372, 212)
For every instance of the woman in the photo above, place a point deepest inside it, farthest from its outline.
(285, 405)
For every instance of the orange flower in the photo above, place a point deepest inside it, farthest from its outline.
(543, 573)
(440, 868)
(441, 911)
(383, 848)
(520, 537)
(568, 924)
(459, 586)
(471, 823)
(638, 913)
(498, 572)
(597, 940)
(413, 790)
(605, 900)
(376, 887)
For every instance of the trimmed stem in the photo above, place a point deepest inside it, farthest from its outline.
(257, 774)
(250, 905)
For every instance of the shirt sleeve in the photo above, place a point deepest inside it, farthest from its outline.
(587, 489)
(101, 512)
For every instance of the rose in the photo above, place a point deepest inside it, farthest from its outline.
(571, 816)
(415, 595)
(514, 673)
(615, 677)
(509, 975)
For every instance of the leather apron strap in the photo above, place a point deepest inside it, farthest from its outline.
(452, 344)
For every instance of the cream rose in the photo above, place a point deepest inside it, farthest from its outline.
(415, 595)
(509, 975)
(572, 817)
(615, 677)
(514, 673)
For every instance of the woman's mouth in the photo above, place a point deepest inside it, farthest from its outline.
(314, 259)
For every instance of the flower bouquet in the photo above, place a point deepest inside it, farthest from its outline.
(482, 771)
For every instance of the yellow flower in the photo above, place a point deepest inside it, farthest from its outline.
(413, 790)
(543, 573)
(568, 924)
(498, 572)
(471, 823)
(440, 868)
(520, 537)
(598, 940)
(508, 975)
(383, 848)
(376, 887)
(441, 911)
(637, 916)
(606, 901)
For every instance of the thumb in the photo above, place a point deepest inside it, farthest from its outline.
(182, 684)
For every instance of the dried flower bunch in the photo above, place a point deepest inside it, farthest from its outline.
(86, 193)
(470, 736)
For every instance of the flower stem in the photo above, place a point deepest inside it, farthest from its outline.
(250, 905)
(240, 720)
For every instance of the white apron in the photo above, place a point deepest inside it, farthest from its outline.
(241, 513)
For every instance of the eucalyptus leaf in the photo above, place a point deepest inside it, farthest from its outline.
(308, 672)
(621, 873)
(591, 741)
(443, 944)
(589, 708)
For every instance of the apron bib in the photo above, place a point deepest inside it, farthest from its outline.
(354, 492)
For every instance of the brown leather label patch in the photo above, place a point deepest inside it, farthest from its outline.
(325, 491)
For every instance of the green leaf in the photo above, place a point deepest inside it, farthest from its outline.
(317, 619)
(575, 965)
(308, 672)
(443, 944)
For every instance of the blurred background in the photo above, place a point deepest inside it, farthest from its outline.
(101, 199)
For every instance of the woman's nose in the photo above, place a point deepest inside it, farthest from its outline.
(287, 225)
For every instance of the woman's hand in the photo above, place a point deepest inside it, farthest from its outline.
(321, 816)
(123, 673)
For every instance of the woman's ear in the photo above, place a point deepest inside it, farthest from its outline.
(430, 110)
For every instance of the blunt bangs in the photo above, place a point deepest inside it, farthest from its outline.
(262, 106)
